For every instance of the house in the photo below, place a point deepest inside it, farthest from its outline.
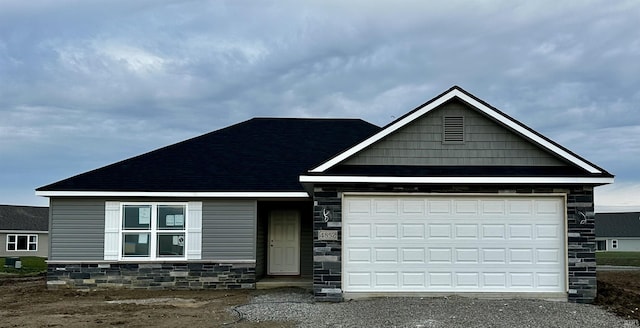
(453, 197)
(618, 231)
(24, 231)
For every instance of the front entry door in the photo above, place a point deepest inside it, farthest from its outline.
(284, 243)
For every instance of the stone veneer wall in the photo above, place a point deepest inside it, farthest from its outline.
(327, 255)
(192, 275)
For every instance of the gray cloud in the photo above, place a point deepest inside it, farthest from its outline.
(83, 84)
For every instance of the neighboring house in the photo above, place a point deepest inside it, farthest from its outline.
(618, 231)
(453, 197)
(24, 231)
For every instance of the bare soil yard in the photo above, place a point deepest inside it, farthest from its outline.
(24, 302)
(619, 292)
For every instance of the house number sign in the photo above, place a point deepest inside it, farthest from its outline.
(327, 234)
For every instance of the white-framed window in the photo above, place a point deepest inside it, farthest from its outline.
(153, 230)
(614, 244)
(22, 243)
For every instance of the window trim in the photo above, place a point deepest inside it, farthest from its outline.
(614, 244)
(153, 232)
(16, 235)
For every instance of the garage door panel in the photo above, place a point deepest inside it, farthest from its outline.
(358, 231)
(412, 207)
(386, 231)
(413, 255)
(414, 280)
(439, 230)
(520, 256)
(385, 207)
(466, 231)
(412, 231)
(466, 207)
(440, 255)
(547, 231)
(456, 244)
(467, 279)
(520, 231)
(385, 255)
(493, 231)
(437, 206)
(467, 255)
(358, 255)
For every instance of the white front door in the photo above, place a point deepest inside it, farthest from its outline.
(284, 243)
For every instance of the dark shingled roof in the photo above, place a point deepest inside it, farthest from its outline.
(24, 218)
(618, 224)
(261, 154)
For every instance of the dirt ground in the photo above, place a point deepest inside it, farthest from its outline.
(25, 302)
(619, 292)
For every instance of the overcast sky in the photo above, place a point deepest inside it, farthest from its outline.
(86, 83)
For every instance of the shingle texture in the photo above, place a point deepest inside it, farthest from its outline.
(618, 224)
(24, 218)
(261, 154)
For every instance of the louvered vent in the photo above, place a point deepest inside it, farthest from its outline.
(453, 129)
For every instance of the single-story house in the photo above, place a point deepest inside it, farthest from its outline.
(24, 231)
(618, 232)
(453, 197)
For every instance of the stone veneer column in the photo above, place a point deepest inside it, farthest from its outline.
(581, 245)
(327, 254)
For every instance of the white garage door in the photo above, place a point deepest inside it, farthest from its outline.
(453, 244)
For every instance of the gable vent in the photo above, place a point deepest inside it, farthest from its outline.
(453, 129)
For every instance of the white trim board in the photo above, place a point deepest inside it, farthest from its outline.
(435, 103)
(456, 180)
(185, 194)
(23, 232)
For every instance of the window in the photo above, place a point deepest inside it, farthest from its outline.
(614, 244)
(153, 230)
(453, 129)
(22, 243)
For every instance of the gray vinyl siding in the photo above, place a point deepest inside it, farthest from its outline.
(229, 230)
(625, 244)
(486, 143)
(76, 229)
(42, 248)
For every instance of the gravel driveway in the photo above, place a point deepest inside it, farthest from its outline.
(298, 306)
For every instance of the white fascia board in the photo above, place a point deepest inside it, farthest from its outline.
(23, 232)
(473, 102)
(172, 194)
(455, 180)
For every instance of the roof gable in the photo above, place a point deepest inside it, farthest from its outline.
(258, 155)
(457, 93)
(484, 142)
(618, 224)
(24, 218)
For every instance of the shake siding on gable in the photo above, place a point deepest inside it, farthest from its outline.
(76, 229)
(229, 230)
(486, 143)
